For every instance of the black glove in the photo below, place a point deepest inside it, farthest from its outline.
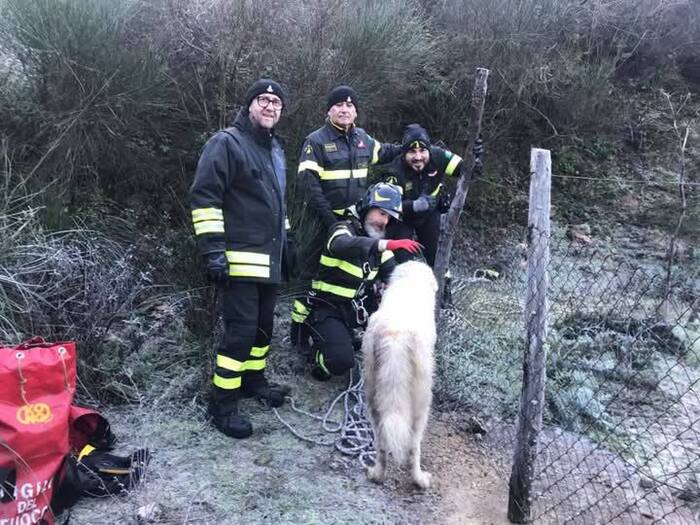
(291, 255)
(424, 203)
(477, 151)
(217, 267)
(444, 200)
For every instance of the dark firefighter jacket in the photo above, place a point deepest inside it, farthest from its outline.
(350, 263)
(429, 182)
(237, 201)
(333, 168)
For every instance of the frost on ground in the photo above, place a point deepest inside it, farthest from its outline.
(197, 475)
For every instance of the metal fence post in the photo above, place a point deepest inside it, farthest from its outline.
(535, 319)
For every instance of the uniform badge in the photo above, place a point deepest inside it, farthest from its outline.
(330, 147)
(269, 89)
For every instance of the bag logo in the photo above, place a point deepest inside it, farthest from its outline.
(34, 414)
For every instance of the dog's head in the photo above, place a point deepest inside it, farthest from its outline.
(416, 273)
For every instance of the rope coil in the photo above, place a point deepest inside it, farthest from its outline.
(355, 436)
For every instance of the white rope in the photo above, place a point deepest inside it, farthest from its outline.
(355, 436)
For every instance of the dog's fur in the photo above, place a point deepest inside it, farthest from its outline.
(398, 368)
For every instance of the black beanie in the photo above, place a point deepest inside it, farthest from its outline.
(341, 94)
(415, 135)
(265, 85)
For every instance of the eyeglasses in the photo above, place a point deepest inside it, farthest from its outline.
(264, 101)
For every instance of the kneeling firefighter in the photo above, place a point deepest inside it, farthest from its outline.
(342, 295)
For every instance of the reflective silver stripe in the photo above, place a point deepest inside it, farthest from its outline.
(309, 165)
(336, 233)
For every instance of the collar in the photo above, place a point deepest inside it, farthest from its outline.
(339, 132)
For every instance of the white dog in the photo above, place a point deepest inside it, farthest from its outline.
(398, 368)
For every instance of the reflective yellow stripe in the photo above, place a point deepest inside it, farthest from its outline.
(300, 307)
(372, 275)
(343, 174)
(454, 161)
(321, 362)
(255, 364)
(310, 165)
(248, 258)
(375, 152)
(336, 233)
(340, 212)
(226, 383)
(208, 227)
(342, 265)
(437, 190)
(386, 255)
(87, 449)
(300, 312)
(299, 318)
(259, 351)
(228, 363)
(332, 288)
(207, 214)
(248, 270)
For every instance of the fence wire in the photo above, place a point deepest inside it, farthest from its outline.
(620, 440)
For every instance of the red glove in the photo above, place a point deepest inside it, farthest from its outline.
(409, 245)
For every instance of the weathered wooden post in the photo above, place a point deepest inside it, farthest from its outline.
(535, 317)
(449, 223)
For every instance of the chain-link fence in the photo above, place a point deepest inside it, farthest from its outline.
(620, 437)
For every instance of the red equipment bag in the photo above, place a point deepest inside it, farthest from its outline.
(37, 384)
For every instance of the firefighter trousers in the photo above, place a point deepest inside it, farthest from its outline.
(427, 230)
(241, 355)
(333, 343)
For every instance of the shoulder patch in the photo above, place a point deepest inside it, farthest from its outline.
(330, 146)
(308, 149)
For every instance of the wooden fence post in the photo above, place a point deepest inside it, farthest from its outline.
(449, 223)
(534, 359)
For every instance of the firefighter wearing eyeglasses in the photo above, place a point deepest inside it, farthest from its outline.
(355, 256)
(239, 214)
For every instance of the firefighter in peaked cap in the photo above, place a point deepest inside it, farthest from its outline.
(239, 215)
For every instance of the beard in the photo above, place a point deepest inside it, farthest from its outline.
(374, 232)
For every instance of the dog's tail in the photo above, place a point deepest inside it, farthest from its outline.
(393, 374)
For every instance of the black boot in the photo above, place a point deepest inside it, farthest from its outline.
(255, 384)
(225, 417)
